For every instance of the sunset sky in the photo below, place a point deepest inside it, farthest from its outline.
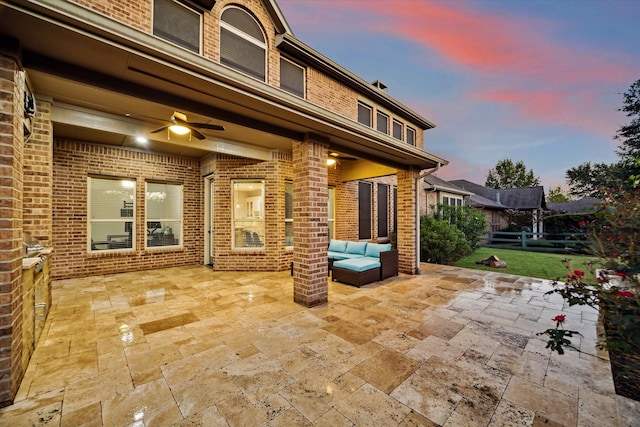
(536, 80)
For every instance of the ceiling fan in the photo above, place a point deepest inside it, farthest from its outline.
(180, 126)
(335, 158)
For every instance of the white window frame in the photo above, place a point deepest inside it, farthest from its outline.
(92, 245)
(287, 220)
(393, 129)
(304, 78)
(256, 222)
(370, 109)
(247, 37)
(168, 221)
(380, 115)
(411, 140)
(331, 212)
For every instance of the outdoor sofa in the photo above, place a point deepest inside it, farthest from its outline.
(359, 263)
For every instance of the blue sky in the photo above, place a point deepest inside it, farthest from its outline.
(532, 80)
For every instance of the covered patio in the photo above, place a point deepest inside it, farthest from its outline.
(192, 346)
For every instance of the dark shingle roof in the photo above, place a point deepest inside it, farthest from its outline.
(586, 204)
(506, 198)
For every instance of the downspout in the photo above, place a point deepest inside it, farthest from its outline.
(420, 178)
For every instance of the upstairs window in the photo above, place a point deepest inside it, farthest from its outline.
(291, 77)
(177, 23)
(242, 43)
(364, 114)
(382, 122)
(411, 136)
(397, 129)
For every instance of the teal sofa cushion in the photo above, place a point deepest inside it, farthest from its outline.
(342, 255)
(357, 248)
(337, 245)
(357, 264)
(374, 249)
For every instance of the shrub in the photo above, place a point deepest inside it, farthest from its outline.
(440, 242)
(472, 223)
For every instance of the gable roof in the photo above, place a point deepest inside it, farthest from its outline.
(433, 183)
(504, 198)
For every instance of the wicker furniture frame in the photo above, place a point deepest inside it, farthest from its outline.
(355, 278)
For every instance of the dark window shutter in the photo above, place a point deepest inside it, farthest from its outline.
(292, 78)
(364, 210)
(176, 23)
(383, 210)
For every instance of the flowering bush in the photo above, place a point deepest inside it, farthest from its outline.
(615, 237)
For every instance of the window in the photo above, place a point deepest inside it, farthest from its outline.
(364, 114)
(248, 214)
(291, 77)
(411, 136)
(164, 214)
(111, 211)
(382, 122)
(364, 210)
(177, 23)
(383, 210)
(397, 129)
(288, 214)
(331, 217)
(242, 43)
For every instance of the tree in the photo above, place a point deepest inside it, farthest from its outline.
(591, 179)
(507, 174)
(629, 150)
(556, 194)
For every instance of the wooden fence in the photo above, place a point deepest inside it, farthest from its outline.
(542, 242)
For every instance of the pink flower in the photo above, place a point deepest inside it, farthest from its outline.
(578, 273)
(570, 276)
(559, 318)
(626, 294)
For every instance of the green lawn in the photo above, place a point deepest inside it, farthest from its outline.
(531, 264)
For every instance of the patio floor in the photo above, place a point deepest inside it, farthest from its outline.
(190, 346)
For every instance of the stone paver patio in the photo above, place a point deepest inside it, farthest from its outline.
(191, 346)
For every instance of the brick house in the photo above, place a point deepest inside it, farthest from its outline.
(438, 191)
(92, 169)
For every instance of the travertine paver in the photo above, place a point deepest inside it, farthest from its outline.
(190, 346)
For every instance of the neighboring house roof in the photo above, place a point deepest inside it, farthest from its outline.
(433, 183)
(586, 204)
(503, 198)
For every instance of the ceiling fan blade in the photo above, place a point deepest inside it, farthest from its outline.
(196, 133)
(207, 126)
(160, 129)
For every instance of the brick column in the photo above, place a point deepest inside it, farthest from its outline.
(407, 233)
(11, 171)
(310, 210)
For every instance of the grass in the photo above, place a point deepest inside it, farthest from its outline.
(541, 265)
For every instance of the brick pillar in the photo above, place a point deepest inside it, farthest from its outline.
(38, 176)
(310, 210)
(407, 232)
(11, 171)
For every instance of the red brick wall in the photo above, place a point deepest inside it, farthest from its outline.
(406, 221)
(310, 286)
(11, 195)
(275, 173)
(38, 174)
(73, 163)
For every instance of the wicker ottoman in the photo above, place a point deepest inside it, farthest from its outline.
(356, 272)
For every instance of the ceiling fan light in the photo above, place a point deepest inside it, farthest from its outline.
(331, 162)
(179, 129)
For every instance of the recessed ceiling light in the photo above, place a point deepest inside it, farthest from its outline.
(141, 139)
